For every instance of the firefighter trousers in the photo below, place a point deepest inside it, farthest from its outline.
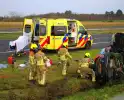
(64, 67)
(41, 75)
(84, 72)
(32, 72)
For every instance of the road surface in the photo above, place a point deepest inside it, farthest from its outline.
(16, 30)
(100, 41)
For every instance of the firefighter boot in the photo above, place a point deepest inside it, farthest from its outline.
(93, 79)
(93, 76)
(64, 69)
(44, 78)
(78, 71)
(30, 76)
(63, 72)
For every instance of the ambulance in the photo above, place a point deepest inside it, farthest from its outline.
(51, 34)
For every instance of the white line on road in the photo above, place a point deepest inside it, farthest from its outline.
(101, 42)
(2, 32)
(101, 38)
(7, 52)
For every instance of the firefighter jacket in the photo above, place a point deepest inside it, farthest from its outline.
(40, 58)
(64, 54)
(31, 60)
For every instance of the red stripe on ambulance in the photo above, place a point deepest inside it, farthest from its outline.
(80, 41)
(43, 43)
(84, 42)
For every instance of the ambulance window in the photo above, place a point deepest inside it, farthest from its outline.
(42, 30)
(37, 30)
(27, 28)
(59, 30)
(81, 29)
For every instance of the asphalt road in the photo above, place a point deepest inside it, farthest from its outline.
(100, 41)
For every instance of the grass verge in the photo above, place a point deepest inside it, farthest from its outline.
(9, 36)
(87, 24)
(98, 94)
(14, 84)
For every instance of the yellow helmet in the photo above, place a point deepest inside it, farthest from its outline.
(87, 54)
(33, 46)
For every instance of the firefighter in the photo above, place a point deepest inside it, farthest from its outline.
(32, 64)
(41, 68)
(84, 67)
(64, 58)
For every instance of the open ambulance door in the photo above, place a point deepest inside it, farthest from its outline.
(19, 44)
(28, 27)
(73, 33)
(59, 31)
(82, 37)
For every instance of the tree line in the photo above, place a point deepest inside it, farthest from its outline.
(109, 16)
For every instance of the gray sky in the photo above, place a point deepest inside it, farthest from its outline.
(45, 6)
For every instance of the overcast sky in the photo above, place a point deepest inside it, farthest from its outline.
(45, 6)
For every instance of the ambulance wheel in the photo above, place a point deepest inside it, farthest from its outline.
(88, 45)
(18, 54)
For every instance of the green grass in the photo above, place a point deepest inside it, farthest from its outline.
(98, 94)
(17, 83)
(17, 80)
(75, 54)
(9, 36)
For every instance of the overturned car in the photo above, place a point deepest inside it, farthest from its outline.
(110, 66)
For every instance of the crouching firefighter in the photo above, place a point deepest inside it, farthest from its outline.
(41, 68)
(32, 65)
(64, 58)
(84, 67)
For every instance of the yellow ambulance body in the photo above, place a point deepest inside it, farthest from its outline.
(53, 33)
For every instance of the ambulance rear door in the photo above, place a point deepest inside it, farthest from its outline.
(28, 27)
